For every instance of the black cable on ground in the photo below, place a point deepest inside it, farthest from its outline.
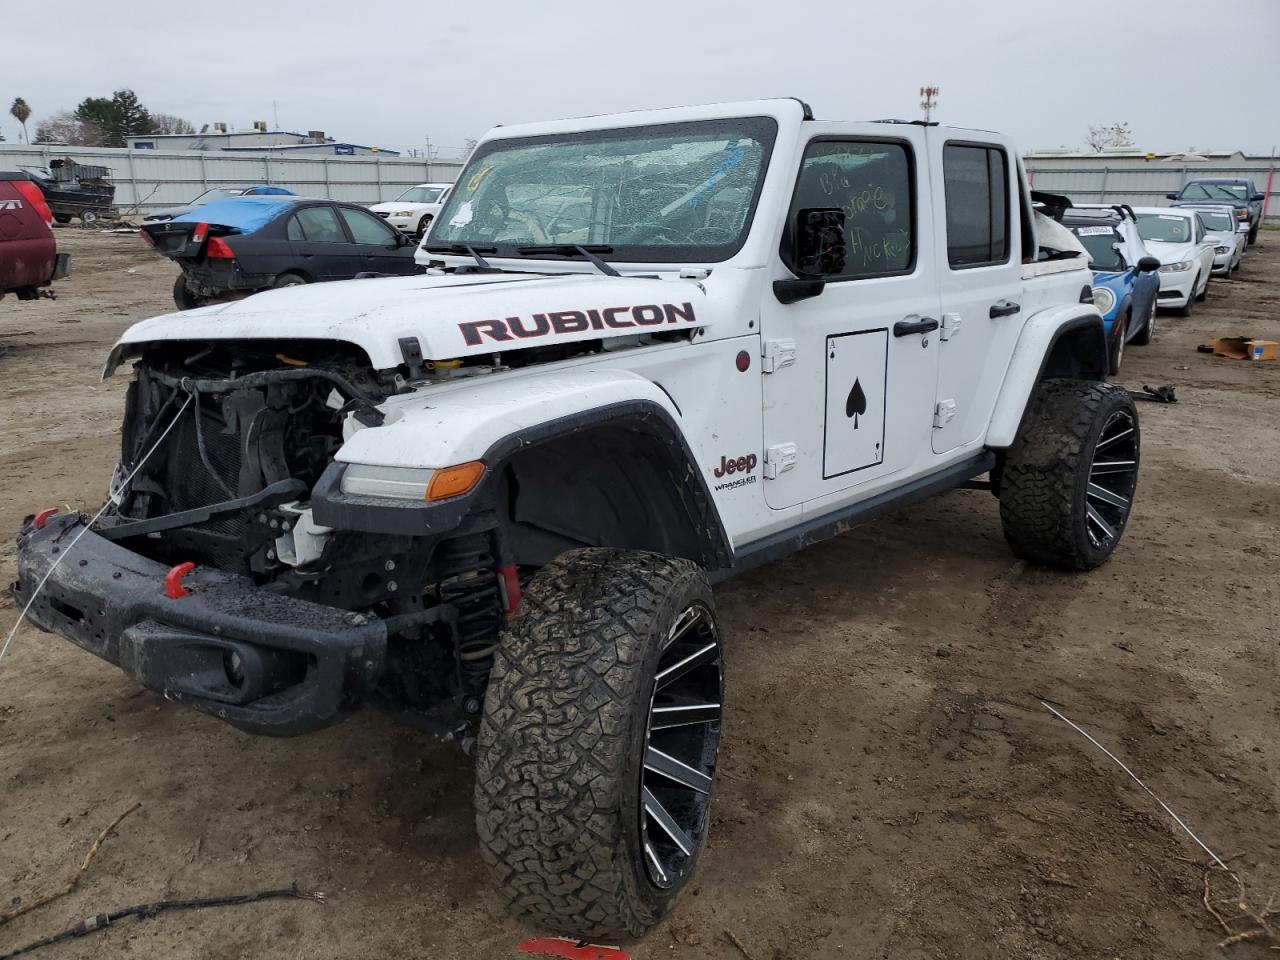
(143, 910)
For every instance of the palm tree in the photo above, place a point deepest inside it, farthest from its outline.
(21, 112)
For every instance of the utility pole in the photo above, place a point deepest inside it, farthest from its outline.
(929, 101)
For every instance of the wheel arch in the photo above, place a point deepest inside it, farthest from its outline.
(1066, 342)
(626, 474)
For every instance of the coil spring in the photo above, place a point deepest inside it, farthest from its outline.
(468, 582)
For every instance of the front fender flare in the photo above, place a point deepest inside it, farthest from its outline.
(491, 421)
(1065, 341)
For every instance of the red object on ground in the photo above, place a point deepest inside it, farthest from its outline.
(570, 949)
(173, 588)
(41, 518)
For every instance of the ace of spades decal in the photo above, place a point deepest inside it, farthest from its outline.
(856, 404)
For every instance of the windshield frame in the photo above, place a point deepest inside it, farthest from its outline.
(762, 128)
(225, 193)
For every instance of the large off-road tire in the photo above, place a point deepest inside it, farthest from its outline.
(597, 748)
(1067, 483)
(182, 296)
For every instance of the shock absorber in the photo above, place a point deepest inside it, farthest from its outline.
(468, 581)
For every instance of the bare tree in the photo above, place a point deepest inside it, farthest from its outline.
(1103, 136)
(168, 123)
(65, 127)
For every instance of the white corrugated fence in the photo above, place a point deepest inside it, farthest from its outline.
(151, 179)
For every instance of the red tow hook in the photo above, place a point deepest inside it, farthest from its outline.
(41, 518)
(173, 588)
(509, 583)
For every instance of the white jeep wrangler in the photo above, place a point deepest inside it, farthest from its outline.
(650, 351)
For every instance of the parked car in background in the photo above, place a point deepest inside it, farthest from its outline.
(1126, 276)
(1176, 237)
(217, 193)
(413, 211)
(1229, 235)
(231, 248)
(1241, 194)
(29, 258)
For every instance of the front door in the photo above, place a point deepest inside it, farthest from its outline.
(975, 184)
(850, 373)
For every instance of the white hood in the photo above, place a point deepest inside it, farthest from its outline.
(1167, 252)
(450, 316)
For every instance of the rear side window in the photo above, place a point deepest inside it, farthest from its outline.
(874, 184)
(319, 225)
(366, 228)
(976, 179)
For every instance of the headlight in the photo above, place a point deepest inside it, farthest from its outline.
(1103, 299)
(1221, 249)
(1178, 267)
(411, 483)
(401, 483)
(403, 213)
(1243, 213)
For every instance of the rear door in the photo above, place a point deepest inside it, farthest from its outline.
(320, 243)
(849, 373)
(377, 245)
(975, 191)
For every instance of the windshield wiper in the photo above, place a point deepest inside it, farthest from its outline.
(464, 248)
(574, 250)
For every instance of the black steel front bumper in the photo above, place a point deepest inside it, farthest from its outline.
(264, 662)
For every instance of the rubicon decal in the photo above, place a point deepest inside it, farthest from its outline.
(476, 332)
(740, 465)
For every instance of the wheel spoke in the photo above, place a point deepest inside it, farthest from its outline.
(1101, 467)
(655, 862)
(1113, 439)
(663, 819)
(667, 766)
(684, 714)
(677, 670)
(1108, 531)
(1106, 496)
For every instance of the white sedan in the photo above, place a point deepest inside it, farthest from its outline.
(413, 211)
(1177, 238)
(1229, 235)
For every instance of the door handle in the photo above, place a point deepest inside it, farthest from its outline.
(1004, 308)
(905, 328)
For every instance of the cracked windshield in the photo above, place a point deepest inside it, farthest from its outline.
(663, 194)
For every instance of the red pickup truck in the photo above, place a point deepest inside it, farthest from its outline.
(29, 257)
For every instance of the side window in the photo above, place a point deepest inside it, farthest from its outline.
(874, 184)
(295, 229)
(976, 181)
(366, 228)
(320, 225)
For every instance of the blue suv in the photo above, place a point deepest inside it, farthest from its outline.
(1126, 277)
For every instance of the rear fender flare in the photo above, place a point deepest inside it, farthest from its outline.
(1061, 342)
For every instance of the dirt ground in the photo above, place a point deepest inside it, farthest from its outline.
(891, 786)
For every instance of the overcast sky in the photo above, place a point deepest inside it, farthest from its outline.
(1182, 73)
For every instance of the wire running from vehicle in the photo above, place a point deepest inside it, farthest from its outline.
(111, 498)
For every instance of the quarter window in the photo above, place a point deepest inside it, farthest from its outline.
(976, 181)
(873, 184)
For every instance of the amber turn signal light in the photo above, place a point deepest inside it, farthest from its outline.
(454, 481)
